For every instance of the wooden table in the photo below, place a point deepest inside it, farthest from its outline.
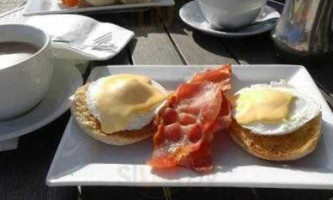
(161, 38)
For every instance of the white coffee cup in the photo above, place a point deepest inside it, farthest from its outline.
(231, 14)
(23, 85)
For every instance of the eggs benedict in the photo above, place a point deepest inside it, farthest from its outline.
(275, 121)
(118, 109)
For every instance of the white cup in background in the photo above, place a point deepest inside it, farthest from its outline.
(230, 14)
(24, 84)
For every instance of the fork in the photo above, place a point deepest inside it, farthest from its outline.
(98, 43)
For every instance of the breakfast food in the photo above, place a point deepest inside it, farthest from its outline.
(275, 122)
(118, 109)
(185, 126)
(70, 3)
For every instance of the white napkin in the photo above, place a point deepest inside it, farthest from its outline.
(77, 33)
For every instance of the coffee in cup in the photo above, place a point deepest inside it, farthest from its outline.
(12, 53)
(230, 14)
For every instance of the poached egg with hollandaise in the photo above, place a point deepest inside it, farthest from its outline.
(124, 101)
(273, 109)
(275, 121)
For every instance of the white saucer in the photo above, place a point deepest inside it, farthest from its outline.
(66, 79)
(191, 14)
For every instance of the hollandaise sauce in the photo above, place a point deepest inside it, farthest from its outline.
(121, 97)
(264, 105)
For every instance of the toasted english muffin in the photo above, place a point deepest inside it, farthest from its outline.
(286, 147)
(91, 126)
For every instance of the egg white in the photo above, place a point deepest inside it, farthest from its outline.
(134, 123)
(303, 109)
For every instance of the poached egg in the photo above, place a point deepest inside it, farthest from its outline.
(273, 109)
(124, 101)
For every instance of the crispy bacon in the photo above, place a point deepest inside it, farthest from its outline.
(70, 3)
(185, 127)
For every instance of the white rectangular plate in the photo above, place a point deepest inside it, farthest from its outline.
(81, 160)
(40, 7)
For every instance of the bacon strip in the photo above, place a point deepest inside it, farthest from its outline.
(70, 3)
(185, 127)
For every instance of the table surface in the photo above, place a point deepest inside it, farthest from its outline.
(161, 38)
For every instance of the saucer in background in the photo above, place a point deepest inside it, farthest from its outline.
(191, 14)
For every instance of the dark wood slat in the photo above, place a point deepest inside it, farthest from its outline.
(145, 50)
(137, 193)
(150, 45)
(278, 194)
(23, 171)
(156, 193)
(252, 50)
(195, 47)
(157, 54)
(212, 193)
